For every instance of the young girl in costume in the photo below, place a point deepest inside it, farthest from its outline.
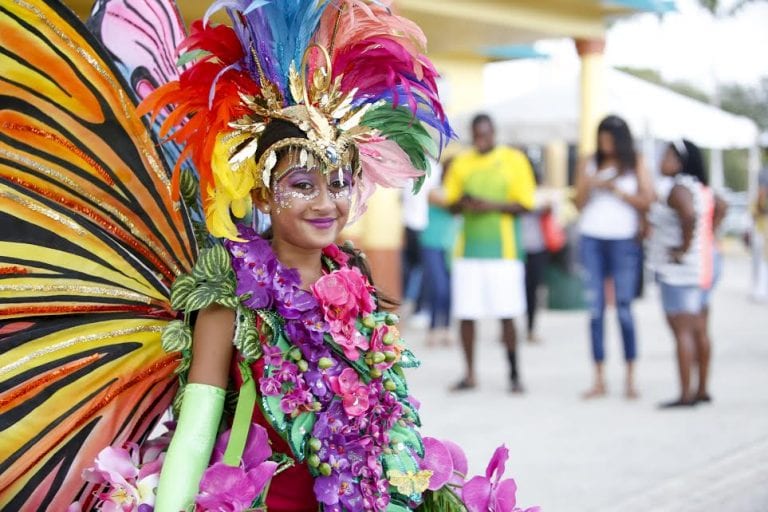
(128, 279)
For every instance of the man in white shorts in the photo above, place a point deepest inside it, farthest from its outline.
(490, 185)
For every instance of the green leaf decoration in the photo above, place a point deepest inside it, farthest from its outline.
(176, 406)
(189, 188)
(230, 400)
(270, 406)
(213, 265)
(441, 500)
(408, 360)
(409, 436)
(400, 460)
(301, 431)
(396, 375)
(230, 302)
(180, 290)
(410, 412)
(202, 236)
(177, 336)
(202, 296)
(396, 507)
(273, 321)
(246, 338)
(185, 362)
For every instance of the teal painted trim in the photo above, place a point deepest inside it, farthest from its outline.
(659, 6)
(512, 52)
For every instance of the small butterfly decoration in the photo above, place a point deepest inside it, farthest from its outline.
(410, 482)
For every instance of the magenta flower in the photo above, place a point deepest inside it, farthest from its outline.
(226, 488)
(231, 488)
(338, 300)
(272, 355)
(490, 493)
(349, 338)
(354, 395)
(257, 449)
(336, 254)
(344, 295)
(437, 459)
(459, 461)
(269, 386)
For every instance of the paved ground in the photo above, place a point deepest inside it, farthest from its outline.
(611, 454)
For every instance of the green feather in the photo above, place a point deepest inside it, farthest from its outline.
(400, 125)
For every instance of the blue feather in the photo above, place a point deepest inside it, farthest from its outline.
(286, 28)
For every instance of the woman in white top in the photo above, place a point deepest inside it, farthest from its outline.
(680, 251)
(613, 190)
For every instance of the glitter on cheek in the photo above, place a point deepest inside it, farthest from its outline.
(285, 198)
(341, 195)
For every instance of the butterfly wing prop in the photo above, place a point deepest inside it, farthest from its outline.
(142, 37)
(90, 241)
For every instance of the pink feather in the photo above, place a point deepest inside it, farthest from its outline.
(384, 164)
(374, 20)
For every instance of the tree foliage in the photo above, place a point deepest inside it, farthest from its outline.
(679, 86)
(718, 9)
(747, 101)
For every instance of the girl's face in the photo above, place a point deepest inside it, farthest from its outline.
(308, 208)
(606, 143)
(670, 163)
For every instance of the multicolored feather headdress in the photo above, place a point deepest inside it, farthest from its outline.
(350, 74)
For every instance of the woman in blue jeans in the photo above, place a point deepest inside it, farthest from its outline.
(613, 191)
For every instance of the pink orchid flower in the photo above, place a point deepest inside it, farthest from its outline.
(338, 300)
(226, 488)
(447, 462)
(490, 493)
(354, 394)
(348, 338)
(129, 485)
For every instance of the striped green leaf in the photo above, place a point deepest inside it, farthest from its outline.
(180, 290)
(177, 336)
(213, 265)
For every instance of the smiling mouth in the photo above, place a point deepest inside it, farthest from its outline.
(322, 223)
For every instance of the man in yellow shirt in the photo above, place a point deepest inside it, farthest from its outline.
(490, 185)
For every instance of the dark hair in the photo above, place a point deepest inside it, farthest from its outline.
(481, 118)
(358, 259)
(275, 131)
(624, 146)
(691, 159)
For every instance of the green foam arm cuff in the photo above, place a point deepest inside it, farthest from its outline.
(191, 447)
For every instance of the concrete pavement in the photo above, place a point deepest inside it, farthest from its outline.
(612, 454)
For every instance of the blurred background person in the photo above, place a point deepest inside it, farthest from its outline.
(613, 190)
(415, 221)
(680, 252)
(758, 236)
(437, 242)
(534, 226)
(490, 185)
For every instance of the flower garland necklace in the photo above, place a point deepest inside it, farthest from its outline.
(332, 386)
(332, 367)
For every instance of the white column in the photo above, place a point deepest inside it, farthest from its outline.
(716, 170)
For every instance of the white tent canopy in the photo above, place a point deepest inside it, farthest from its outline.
(551, 112)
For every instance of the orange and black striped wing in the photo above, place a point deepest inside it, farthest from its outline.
(90, 241)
